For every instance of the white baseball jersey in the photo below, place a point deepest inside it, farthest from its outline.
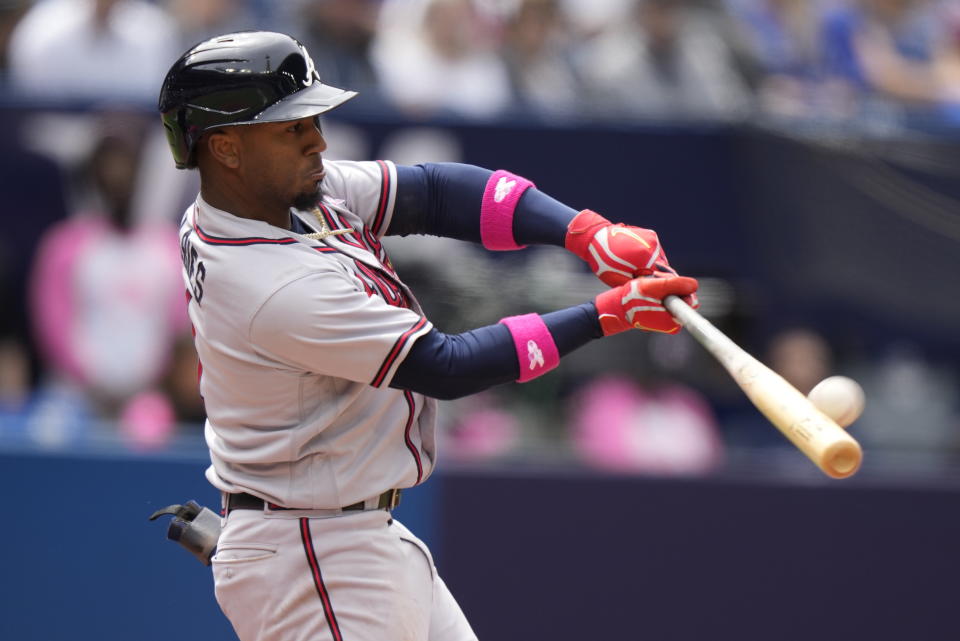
(298, 338)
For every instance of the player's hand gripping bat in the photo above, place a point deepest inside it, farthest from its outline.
(823, 441)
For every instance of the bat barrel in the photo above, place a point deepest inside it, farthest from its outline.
(842, 459)
(813, 432)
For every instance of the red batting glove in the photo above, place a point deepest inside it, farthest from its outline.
(638, 304)
(615, 253)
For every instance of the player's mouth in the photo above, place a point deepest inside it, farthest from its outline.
(318, 175)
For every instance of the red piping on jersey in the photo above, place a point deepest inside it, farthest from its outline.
(252, 240)
(384, 197)
(395, 352)
(333, 220)
(318, 579)
(407, 394)
(389, 290)
(376, 247)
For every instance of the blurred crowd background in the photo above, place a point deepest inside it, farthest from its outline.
(554, 60)
(95, 346)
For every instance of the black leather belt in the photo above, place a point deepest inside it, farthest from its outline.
(387, 501)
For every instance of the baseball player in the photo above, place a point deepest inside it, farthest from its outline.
(318, 368)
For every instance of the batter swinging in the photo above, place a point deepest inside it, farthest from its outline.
(319, 370)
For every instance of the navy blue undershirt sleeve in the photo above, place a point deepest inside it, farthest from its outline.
(443, 199)
(448, 366)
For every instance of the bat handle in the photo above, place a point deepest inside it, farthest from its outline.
(677, 307)
(702, 329)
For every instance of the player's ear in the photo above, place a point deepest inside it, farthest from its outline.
(223, 146)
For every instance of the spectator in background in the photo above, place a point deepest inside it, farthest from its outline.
(913, 405)
(32, 198)
(884, 51)
(107, 300)
(668, 61)
(181, 384)
(663, 428)
(14, 377)
(199, 20)
(802, 356)
(437, 57)
(947, 65)
(11, 11)
(538, 51)
(92, 50)
(782, 40)
(588, 19)
(339, 35)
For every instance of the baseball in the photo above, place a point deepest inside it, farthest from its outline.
(839, 397)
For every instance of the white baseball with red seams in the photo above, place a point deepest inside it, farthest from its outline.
(296, 357)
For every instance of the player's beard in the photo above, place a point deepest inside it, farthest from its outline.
(307, 199)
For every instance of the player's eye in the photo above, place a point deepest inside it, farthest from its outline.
(295, 128)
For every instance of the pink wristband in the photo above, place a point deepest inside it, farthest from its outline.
(500, 199)
(536, 351)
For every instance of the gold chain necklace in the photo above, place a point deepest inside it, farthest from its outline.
(324, 227)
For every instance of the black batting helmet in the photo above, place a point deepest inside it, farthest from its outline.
(240, 79)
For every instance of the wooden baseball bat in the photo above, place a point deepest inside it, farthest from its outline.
(824, 442)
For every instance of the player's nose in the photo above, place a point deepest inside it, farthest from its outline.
(317, 141)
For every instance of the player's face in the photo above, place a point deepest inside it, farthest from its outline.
(282, 162)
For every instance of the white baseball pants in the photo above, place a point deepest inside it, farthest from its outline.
(360, 576)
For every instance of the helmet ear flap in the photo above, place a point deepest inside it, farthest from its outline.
(179, 140)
